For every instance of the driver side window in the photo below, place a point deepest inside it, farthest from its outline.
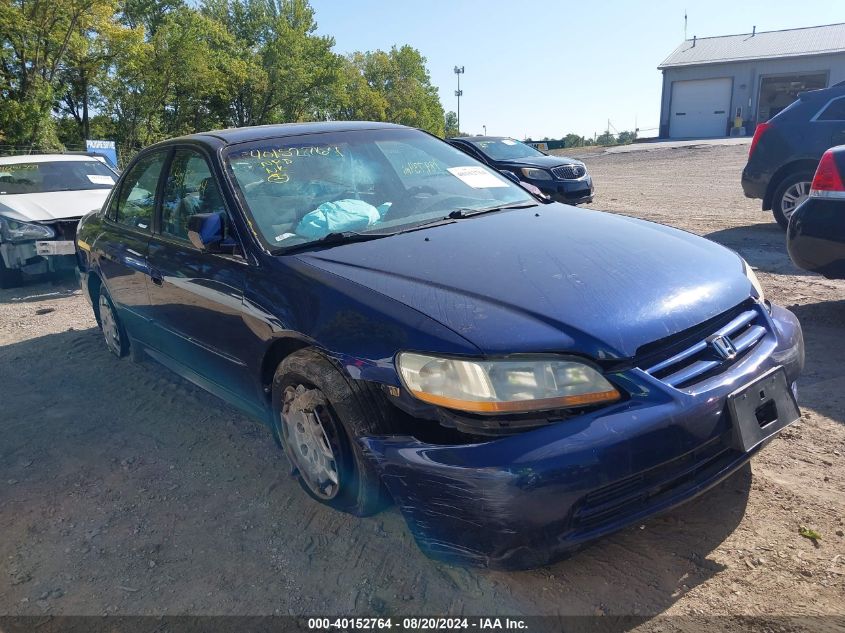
(190, 189)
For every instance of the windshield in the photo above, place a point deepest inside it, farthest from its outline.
(300, 189)
(65, 175)
(506, 149)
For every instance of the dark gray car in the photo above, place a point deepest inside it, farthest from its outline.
(787, 148)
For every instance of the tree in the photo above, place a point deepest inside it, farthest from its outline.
(287, 72)
(573, 140)
(401, 78)
(626, 137)
(606, 138)
(35, 37)
(451, 127)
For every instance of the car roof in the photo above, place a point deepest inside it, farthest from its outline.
(44, 158)
(235, 135)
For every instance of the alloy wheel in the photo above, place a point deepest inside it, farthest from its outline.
(793, 196)
(304, 414)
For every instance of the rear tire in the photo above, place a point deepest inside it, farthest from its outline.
(791, 192)
(9, 277)
(114, 334)
(316, 405)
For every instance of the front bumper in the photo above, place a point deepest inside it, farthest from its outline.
(35, 258)
(816, 237)
(529, 499)
(567, 191)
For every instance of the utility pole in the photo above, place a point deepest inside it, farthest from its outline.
(459, 70)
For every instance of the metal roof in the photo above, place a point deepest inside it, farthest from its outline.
(813, 40)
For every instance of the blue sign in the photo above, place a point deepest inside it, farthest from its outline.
(106, 149)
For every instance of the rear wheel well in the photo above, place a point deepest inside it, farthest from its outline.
(790, 168)
(94, 283)
(277, 352)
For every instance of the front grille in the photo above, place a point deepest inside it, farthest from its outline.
(65, 229)
(569, 172)
(635, 493)
(704, 351)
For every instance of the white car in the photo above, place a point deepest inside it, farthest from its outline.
(41, 200)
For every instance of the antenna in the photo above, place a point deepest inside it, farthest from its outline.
(685, 24)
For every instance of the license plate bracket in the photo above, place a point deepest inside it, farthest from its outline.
(761, 409)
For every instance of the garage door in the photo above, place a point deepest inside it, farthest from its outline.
(700, 108)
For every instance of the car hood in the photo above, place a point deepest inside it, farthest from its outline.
(51, 206)
(549, 279)
(546, 162)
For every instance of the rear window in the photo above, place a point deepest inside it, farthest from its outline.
(44, 177)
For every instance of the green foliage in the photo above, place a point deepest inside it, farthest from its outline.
(138, 71)
(606, 139)
(451, 129)
(573, 140)
(394, 86)
(626, 137)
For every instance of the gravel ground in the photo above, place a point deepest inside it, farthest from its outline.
(124, 489)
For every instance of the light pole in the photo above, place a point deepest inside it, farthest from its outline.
(485, 129)
(459, 70)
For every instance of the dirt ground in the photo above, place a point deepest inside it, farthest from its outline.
(125, 490)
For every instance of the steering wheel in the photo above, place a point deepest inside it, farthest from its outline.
(402, 207)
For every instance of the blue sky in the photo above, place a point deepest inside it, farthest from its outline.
(547, 68)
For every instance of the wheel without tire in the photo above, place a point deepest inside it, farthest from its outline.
(113, 332)
(9, 277)
(791, 192)
(318, 416)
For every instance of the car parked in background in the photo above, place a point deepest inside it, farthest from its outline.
(816, 235)
(42, 198)
(562, 179)
(786, 149)
(521, 378)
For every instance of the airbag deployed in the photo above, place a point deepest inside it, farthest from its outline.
(332, 217)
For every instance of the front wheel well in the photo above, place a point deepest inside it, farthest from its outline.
(275, 354)
(805, 164)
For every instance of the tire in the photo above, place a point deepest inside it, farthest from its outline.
(307, 387)
(113, 331)
(784, 199)
(9, 277)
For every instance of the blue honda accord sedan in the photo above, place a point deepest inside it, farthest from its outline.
(520, 378)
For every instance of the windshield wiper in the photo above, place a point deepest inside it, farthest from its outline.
(461, 213)
(335, 237)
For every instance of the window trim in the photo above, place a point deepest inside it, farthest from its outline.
(821, 111)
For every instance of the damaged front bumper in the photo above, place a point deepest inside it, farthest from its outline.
(529, 499)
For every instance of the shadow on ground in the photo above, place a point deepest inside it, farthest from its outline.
(822, 385)
(762, 245)
(130, 491)
(42, 288)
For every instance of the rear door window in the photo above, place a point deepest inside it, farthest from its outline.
(136, 201)
(835, 111)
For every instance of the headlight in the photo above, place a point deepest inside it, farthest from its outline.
(503, 386)
(535, 174)
(752, 277)
(17, 231)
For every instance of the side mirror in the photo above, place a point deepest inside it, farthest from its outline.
(205, 230)
(510, 175)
